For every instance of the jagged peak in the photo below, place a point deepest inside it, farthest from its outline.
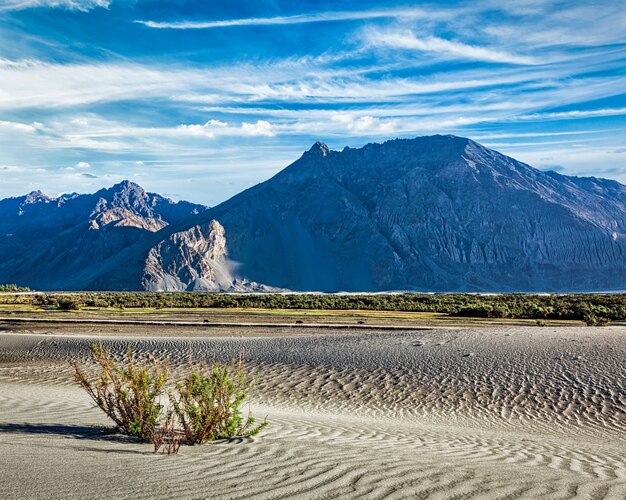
(125, 185)
(125, 192)
(319, 148)
(35, 196)
(37, 193)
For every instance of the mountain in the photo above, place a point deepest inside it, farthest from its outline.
(438, 213)
(54, 242)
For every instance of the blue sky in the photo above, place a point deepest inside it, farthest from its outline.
(199, 100)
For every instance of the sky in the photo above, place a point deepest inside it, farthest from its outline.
(200, 100)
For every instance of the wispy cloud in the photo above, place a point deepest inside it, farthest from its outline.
(565, 115)
(541, 134)
(33, 84)
(22, 127)
(317, 17)
(576, 24)
(79, 5)
(407, 40)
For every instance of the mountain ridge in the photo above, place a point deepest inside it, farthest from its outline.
(436, 213)
(51, 242)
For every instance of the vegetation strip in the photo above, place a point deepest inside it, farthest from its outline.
(593, 309)
(344, 326)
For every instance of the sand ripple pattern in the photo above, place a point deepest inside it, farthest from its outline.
(319, 455)
(541, 379)
(519, 413)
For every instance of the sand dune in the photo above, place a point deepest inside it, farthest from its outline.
(465, 413)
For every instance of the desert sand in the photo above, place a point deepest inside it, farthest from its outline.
(496, 412)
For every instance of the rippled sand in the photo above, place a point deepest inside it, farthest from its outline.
(444, 413)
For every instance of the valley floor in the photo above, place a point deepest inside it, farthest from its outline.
(492, 412)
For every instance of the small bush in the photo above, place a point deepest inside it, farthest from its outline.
(542, 322)
(208, 404)
(205, 406)
(65, 304)
(129, 395)
(593, 320)
(13, 288)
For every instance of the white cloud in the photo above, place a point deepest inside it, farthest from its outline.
(406, 40)
(261, 127)
(33, 84)
(578, 24)
(338, 88)
(36, 84)
(199, 130)
(564, 115)
(80, 5)
(22, 127)
(82, 164)
(366, 124)
(206, 130)
(358, 90)
(297, 19)
(215, 123)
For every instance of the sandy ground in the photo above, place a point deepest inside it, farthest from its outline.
(519, 412)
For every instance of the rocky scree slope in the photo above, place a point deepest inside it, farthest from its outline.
(194, 260)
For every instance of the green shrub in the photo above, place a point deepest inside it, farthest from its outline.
(129, 394)
(205, 406)
(208, 404)
(13, 288)
(67, 304)
(593, 320)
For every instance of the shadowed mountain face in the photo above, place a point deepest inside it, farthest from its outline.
(55, 243)
(438, 213)
(433, 213)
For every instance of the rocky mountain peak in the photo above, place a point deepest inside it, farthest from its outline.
(126, 186)
(319, 149)
(127, 191)
(127, 204)
(36, 197)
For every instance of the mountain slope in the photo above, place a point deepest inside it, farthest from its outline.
(433, 213)
(52, 243)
